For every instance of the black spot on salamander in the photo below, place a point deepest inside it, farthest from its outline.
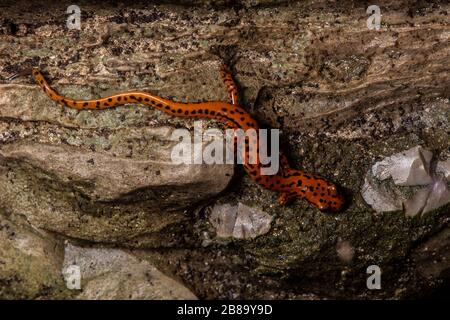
(186, 112)
(167, 107)
(133, 97)
(193, 112)
(139, 99)
(147, 99)
(200, 111)
(85, 104)
(212, 113)
(109, 99)
(179, 111)
(119, 98)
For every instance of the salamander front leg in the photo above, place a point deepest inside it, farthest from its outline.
(284, 164)
(230, 84)
(286, 198)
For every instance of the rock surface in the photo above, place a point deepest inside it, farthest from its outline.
(30, 262)
(115, 274)
(344, 96)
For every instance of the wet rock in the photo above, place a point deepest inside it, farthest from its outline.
(117, 274)
(239, 221)
(30, 262)
(433, 256)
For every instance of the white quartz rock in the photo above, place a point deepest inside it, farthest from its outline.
(443, 167)
(428, 199)
(379, 199)
(239, 221)
(407, 168)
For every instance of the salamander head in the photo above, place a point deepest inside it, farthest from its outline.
(319, 192)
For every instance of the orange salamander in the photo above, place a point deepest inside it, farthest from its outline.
(291, 183)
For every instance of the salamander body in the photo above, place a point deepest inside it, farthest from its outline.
(291, 183)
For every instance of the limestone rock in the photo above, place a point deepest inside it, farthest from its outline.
(117, 274)
(30, 262)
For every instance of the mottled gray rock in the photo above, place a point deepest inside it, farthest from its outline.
(103, 177)
(117, 274)
(30, 262)
(239, 221)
